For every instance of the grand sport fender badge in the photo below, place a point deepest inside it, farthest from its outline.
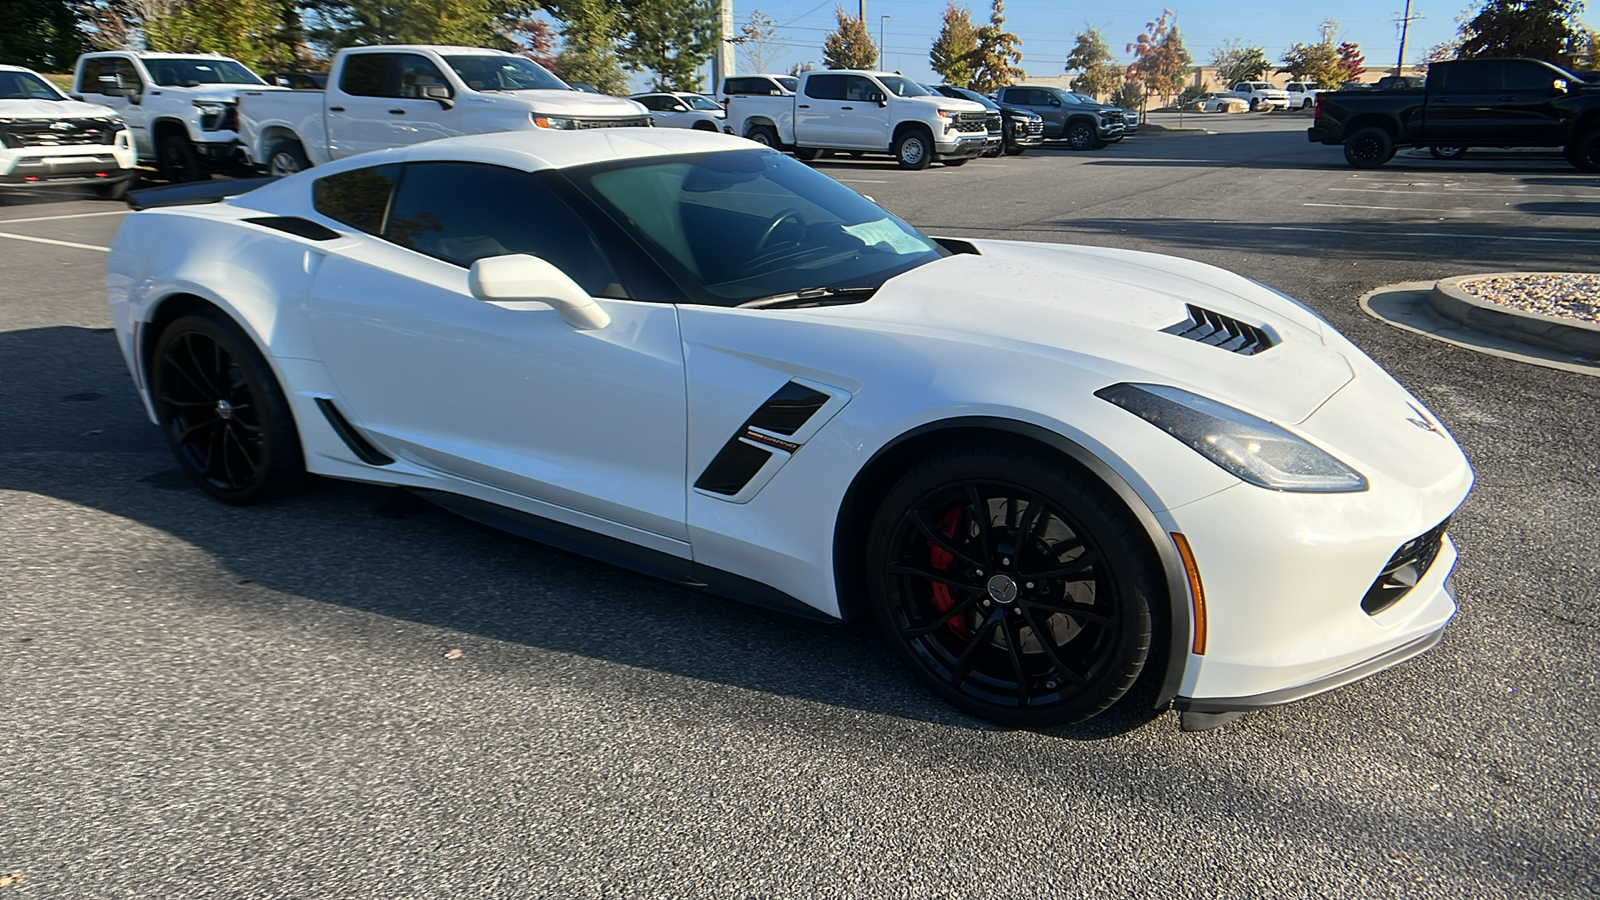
(1423, 421)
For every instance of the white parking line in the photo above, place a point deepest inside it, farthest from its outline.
(860, 180)
(114, 212)
(40, 240)
(1441, 234)
(1447, 192)
(1402, 208)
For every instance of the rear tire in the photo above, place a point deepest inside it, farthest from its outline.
(1584, 153)
(116, 191)
(1016, 151)
(765, 135)
(287, 157)
(807, 154)
(913, 149)
(1368, 148)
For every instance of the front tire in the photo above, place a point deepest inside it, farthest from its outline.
(222, 411)
(913, 149)
(178, 161)
(1080, 136)
(1017, 591)
(1584, 152)
(1368, 148)
(1016, 151)
(117, 191)
(287, 157)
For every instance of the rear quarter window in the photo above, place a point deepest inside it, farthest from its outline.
(358, 198)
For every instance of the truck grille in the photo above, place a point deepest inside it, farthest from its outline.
(991, 121)
(1036, 128)
(57, 133)
(972, 121)
(637, 122)
(1404, 570)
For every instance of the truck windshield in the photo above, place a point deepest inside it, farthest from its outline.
(735, 226)
(195, 72)
(504, 73)
(974, 96)
(26, 86)
(901, 86)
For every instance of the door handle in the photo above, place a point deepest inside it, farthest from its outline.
(335, 109)
(1441, 101)
(397, 112)
(805, 106)
(1507, 100)
(847, 107)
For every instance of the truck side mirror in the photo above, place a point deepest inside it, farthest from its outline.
(878, 98)
(110, 88)
(439, 93)
(1559, 86)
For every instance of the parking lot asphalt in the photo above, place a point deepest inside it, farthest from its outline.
(201, 701)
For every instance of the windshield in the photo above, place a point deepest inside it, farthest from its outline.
(504, 73)
(696, 101)
(790, 83)
(195, 72)
(740, 225)
(1086, 98)
(974, 96)
(27, 86)
(901, 86)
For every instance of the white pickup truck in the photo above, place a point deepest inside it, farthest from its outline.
(47, 139)
(1261, 95)
(179, 106)
(875, 112)
(389, 96)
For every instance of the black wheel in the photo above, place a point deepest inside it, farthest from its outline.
(115, 191)
(1016, 151)
(177, 159)
(222, 411)
(1080, 135)
(764, 134)
(1584, 153)
(913, 149)
(703, 125)
(287, 157)
(1447, 152)
(1015, 591)
(808, 154)
(958, 162)
(1368, 148)
(1255, 104)
(1306, 103)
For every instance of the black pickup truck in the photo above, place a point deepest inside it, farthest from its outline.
(1467, 103)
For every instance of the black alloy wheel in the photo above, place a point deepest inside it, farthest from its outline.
(1015, 592)
(178, 161)
(1368, 148)
(1080, 136)
(222, 411)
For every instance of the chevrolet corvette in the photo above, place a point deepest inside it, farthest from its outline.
(1050, 473)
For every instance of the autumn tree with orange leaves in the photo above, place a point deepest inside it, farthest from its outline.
(1160, 62)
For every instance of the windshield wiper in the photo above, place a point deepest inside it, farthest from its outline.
(815, 296)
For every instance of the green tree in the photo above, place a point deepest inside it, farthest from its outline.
(589, 34)
(1128, 95)
(471, 23)
(1318, 62)
(994, 62)
(952, 50)
(1160, 61)
(670, 39)
(849, 46)
(243, 31)
(40, 34)
(1542, 29)
(1098, 73)
(758, 41)
(1236, 62)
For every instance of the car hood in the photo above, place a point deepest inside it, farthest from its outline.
(54, 109)
(575, 103)
(1106, 310)
(940, 101)
(224, 93)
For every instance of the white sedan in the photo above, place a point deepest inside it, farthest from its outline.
(1055, 475)
(678, 109)
(1219, 102)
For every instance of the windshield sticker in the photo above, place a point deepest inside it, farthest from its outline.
(885, 231)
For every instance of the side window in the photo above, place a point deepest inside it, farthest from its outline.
(416, 71)
(442, 210)
(858, 88)
(1528, 77)
(826, 87)
(364, 73)
(1472, 78)
(653, 103)
(89, 81)
(357, 198)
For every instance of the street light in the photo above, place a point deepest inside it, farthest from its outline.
(880, 41)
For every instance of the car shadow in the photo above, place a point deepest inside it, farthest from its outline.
(72, 428)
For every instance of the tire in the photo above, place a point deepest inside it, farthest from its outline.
(913, 149)
(808, 154)
(1368, 148)
(178, 163)
(1016, 151)
(116, 191)
(954, 163)
(286, 158)
(1080, 136)
(1255, 104)
(1584, 153)
(1447, 152)
(958, 605)
(1306, 103)
(222, 411)
(705, 126)
(765, 135)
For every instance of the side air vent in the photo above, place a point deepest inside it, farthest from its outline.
(358, 445)
(1404, 570)
(785, 412)
(296, 226)
(1222, 331)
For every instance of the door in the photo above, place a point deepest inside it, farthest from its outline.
(819, 111)
(509, 395)
(1527, 107)
(102, 70)
(356, 107)
(412, 117)
(862, 122)
(1461, 97)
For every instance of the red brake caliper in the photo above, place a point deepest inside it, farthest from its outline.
(941, 559)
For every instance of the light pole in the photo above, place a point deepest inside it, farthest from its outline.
(880, 41)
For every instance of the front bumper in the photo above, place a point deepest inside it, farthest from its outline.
(1111, 131)
(964, 146)
(56, 166)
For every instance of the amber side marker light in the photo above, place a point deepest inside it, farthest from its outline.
(1197, 593)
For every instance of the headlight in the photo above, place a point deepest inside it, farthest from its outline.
(557, 122)
(1250, 448)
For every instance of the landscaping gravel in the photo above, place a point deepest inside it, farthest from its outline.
(1570, 296)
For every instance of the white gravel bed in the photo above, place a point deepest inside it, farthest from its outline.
(1570, 296)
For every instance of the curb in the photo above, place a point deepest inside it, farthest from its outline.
(1553, 333)
(1405, 306)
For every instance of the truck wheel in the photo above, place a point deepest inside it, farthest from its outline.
(1080, 136)
(1584, 153)
(178, 162)
(1368, 148)
(913, 149)
(765, 135)
(1016, 151)
(807, 154)
(1447, 152)
(287, 157)
(112, 191)
(705, 126)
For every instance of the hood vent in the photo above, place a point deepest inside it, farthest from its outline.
(1222, 331)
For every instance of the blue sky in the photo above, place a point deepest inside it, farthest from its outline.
(1047, 27)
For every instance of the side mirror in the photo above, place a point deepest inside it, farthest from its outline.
(523, 278)
(110, 88)
(679, 107)
(878, 98)
(1055, 101)
(439, 93)
(1559, 86)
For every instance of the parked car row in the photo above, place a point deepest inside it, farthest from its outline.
(47, 138)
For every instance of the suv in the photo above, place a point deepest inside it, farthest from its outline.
(1084, 126)
(1018, 129)
(47, 139)
(181, 107)
(680, 109)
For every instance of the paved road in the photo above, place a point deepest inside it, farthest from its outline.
(202, 701)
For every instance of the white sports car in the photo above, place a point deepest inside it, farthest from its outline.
(1048, 471)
